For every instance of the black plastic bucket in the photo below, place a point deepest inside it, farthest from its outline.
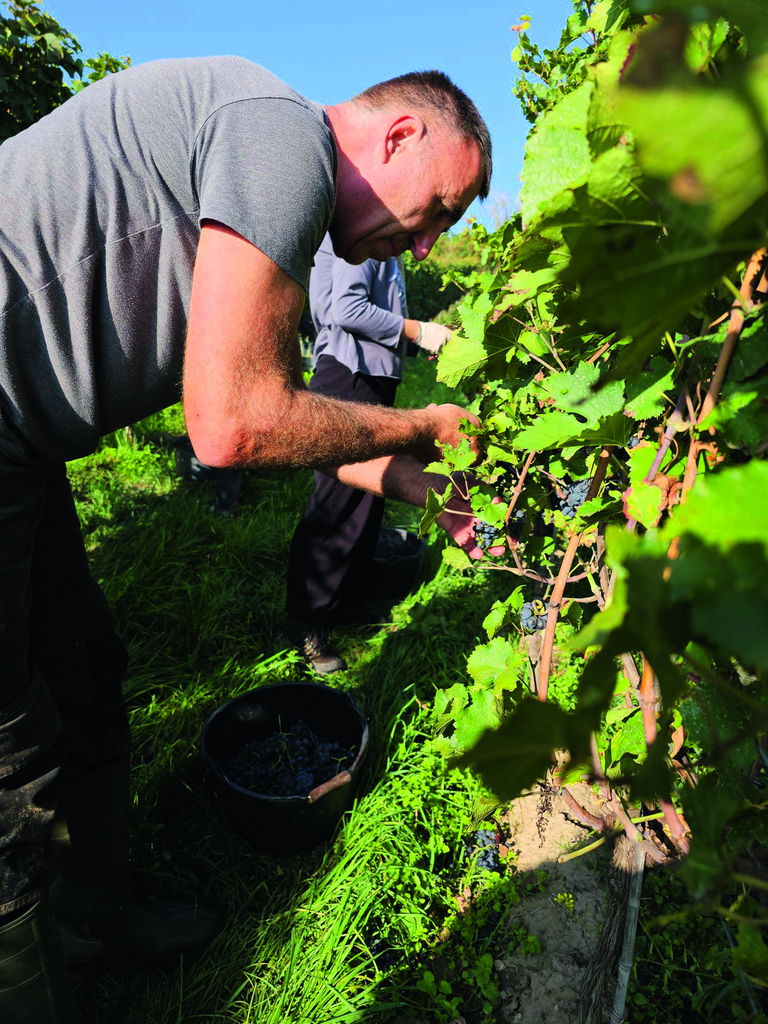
(290, 824)
(396, 563)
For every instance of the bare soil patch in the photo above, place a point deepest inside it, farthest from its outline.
(576, 916)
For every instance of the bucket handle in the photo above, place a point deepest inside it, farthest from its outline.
(326, 787)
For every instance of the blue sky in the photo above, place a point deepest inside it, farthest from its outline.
(330, 52)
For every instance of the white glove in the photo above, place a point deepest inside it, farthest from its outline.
(432, 337)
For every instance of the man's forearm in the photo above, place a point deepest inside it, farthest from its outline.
(293, 427)
(402, 478)
(243, 403)
(304, 429)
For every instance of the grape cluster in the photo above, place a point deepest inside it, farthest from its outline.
(573, 496)
(483, 847)
(487, 536)
(533, 616)
(289, 763)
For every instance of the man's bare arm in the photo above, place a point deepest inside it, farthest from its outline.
(244, 403)
(402, 478)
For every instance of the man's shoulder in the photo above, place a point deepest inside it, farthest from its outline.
(219, 78)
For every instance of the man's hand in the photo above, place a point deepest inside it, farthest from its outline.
(432, 337)
(447, 430)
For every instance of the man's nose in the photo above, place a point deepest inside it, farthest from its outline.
(422, 242)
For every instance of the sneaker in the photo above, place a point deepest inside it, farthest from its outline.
(311, 641)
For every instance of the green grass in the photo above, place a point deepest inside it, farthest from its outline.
(199, 600)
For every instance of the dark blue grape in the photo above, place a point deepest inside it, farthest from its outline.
(487, 536)
(573, 496)
(288, 763)
(483, 847)
(533, 616)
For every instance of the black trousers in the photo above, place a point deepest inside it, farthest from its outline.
(333, 544)
(61, 670)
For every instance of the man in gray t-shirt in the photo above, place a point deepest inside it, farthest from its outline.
(156, 235)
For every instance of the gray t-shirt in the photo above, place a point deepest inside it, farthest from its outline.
(100, 210)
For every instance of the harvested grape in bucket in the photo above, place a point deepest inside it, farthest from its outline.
(290, 762)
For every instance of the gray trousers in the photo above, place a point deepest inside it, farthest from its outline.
(61, 671)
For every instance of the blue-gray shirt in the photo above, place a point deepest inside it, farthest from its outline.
(358, 313)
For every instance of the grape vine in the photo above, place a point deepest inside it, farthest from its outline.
(617, 349)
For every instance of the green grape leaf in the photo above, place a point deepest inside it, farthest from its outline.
(614, 430)
(653, 778)
(725, 509)
(456, 558)
(641, 615)
(478, 716)
(751, 352)
(707, 809)
(458, 458)
(726, 595)
(433, 507)
(750, 954)
(619, 714)
(552, 430)
(748, 15)
(628, 740)
(574, 392)
(741, 415)
(703, 127)
(646, 391)
(495, 664)
(438, 467)
(709, 714)
(644, 503)
(633, 278)
(463, 357)
(557, 154)
(502, 613)
(640, 460)
(519, 752)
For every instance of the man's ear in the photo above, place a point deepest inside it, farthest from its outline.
(404, 133)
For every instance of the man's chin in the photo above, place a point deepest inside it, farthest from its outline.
(348, 253)
(362, 250)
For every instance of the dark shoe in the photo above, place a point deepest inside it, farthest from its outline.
(34, 987)
(151, 934)
(92, 901)
(311, 641)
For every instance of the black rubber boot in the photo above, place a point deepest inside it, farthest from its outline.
(34, 987)
(98, 915)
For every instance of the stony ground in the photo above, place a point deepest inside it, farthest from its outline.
(576, 915)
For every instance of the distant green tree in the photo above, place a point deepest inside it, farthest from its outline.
(428, 292)
(40, 66)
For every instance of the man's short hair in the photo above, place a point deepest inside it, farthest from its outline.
(435, 93)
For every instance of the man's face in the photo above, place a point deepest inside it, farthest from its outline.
(419, 189)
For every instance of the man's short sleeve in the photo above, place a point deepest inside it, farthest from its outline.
(265, 168)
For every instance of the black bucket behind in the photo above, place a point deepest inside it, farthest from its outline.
(284, 825)
(396, 563)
